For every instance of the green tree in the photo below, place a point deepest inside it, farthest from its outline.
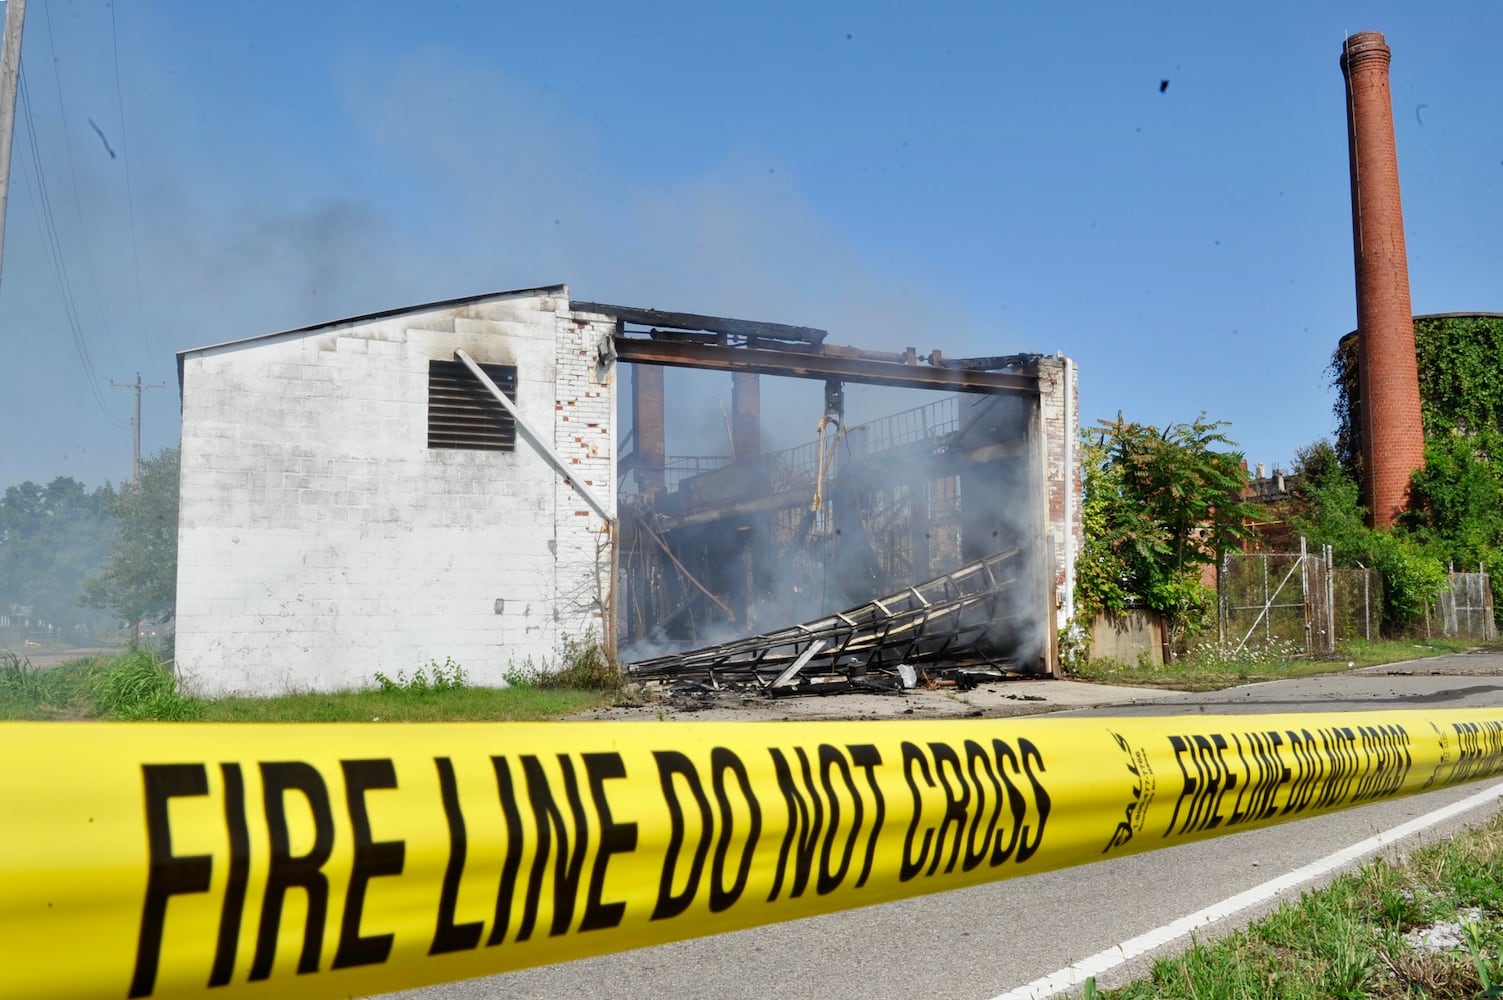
(1408, 558)
(1327, 508)
(1456, 503)
(1159, 506)
(1460, 361)
(52, 538)
(1457, 498)
(139, 580)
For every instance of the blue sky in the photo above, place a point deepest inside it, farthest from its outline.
(983, 178)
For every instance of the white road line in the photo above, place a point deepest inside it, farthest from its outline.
(1075, 976)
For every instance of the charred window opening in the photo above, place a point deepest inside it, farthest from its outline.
(462, 413)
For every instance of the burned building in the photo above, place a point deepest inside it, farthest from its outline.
(904, 523)
(445, 482)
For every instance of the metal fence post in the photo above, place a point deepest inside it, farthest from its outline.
(1330, 601)
(1304, 593)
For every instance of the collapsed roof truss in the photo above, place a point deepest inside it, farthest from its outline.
(691, 340)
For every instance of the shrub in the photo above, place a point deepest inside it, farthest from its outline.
(581, 665)
(1411, 576)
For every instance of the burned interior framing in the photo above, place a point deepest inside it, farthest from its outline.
(733, 567)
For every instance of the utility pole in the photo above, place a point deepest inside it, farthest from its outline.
(135, 455)
(10, 70)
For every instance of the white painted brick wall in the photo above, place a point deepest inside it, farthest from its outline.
(321, 540)
(1059, 405)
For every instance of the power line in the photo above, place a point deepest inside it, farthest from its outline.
(83, 229)
(130, 201)
(52, 245)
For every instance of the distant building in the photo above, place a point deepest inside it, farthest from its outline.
(15, 622)
(1275, 498)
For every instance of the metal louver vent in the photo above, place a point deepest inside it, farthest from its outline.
(463, 414)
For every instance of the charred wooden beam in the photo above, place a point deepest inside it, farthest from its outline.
(820, 365)
(737, 509)
(904, 357)
(684, 337)
(712, 324)
(995, 362)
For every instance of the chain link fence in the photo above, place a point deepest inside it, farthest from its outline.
(1464, 609)
(1357, 597)
(1302, 598)
(1276, 597)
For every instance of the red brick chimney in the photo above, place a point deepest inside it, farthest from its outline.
(1393, 443)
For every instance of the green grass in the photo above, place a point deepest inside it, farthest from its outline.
(471, 704)
(1368, 654)
(133, 686)
(136, 686)
(1212, 667)
(1347, 940)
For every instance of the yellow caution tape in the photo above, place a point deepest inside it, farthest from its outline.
(324, 860)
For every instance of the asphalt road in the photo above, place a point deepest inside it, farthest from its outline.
(38, 657)
(983, 942)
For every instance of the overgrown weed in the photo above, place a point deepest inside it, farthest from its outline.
(139, 687)
(20, 682)
(1489, 975)
(1272, 654)
(31, 692)
(581, 665)
(1349, 939)
(436, 679)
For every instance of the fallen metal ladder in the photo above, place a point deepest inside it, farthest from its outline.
(965, 614)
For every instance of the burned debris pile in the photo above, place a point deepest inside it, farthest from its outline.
(957, 628)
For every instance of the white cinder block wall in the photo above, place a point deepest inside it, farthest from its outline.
(321, 540)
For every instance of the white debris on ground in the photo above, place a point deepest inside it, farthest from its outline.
(1444, 935)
